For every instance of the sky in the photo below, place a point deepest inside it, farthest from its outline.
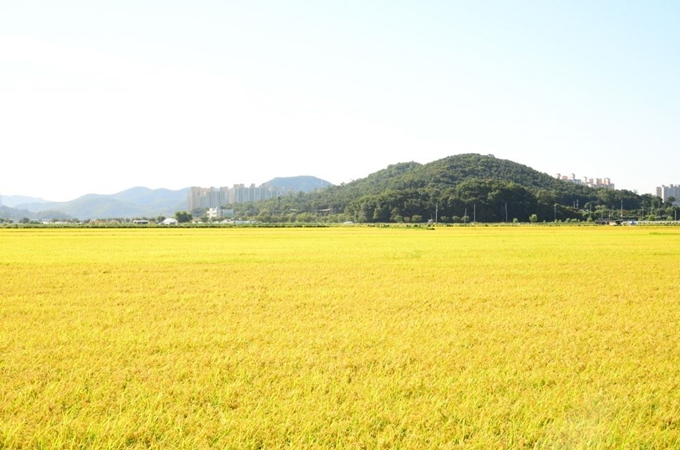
(99, 97)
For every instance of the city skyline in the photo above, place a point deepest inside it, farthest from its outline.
(212, 197)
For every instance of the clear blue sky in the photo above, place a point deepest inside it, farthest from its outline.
(102, 96)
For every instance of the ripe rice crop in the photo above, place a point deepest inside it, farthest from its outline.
(550, 337)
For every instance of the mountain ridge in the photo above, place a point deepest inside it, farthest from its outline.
(138, 201)
(494, 189)
(133, 202)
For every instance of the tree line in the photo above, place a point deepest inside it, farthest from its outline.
(480, 200)
(459, 188)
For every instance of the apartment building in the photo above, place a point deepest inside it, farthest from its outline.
(665, 192)
(604, 183)
(203, 198)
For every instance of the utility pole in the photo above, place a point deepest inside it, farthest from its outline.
(506, 212)
(436, 212)
(555, 208)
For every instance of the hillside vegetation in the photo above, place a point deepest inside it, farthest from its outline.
(457, 188)
(134, 202)
(297, 184)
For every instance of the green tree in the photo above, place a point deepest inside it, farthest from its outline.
(533, 218)
(265, 216)
(183, 216)
(395, 215)
(305, 217)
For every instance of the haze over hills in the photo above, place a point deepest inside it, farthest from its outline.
(495, 189)
(16, 214)
(133, 202)
(12, 201)
(304, 183)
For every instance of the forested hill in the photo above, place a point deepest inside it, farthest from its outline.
(453, 170)
(298, 184)
(492, 189)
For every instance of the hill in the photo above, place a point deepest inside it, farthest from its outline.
(134, 202)
(14, 200)
(451, 171)
(298, 184)
(462, 187)
(137, 201)
(17, 215)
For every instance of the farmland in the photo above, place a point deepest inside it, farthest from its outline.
(340, 337)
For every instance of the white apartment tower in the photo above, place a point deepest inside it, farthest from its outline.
(665, 192)
(204, 198)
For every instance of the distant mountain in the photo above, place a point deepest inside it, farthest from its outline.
(134, 202)
(298, 184)
(461, 187)
(153, 198)
(15, 214)
(15, 200)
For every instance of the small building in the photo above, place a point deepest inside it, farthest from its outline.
(219, 213)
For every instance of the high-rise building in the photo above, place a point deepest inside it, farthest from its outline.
(604, 183)
(202, 198)
(665, 192)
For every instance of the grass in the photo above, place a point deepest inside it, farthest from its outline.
(339, 337)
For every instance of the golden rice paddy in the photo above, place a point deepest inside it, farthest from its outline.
(517, 337)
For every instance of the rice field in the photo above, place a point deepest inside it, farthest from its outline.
(517, 337)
